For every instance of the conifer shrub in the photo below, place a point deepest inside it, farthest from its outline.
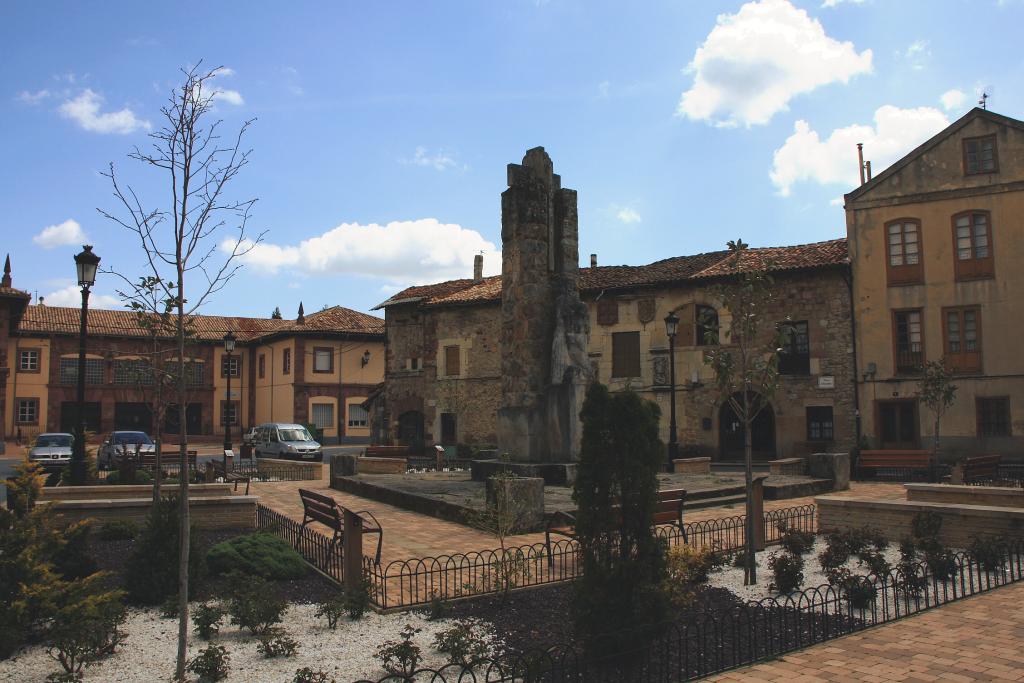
(622, 559)
(260, 554)
(118, 530)
(152, 568)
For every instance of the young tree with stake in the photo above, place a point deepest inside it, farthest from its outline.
(196, 235)
(746, 365)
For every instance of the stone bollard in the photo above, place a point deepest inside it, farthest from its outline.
(518, 502)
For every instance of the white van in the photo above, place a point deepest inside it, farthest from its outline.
(285, 441)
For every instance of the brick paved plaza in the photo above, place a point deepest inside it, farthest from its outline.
(976, 639)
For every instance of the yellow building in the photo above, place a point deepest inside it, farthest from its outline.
(316, 369)
(937, 247)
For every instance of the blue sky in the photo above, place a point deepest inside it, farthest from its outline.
(383, 129)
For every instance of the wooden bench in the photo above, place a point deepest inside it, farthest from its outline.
(920, 461)
(667, 511)
(167, 458)
(981, 468)
(317, 507)
(386, 451)
(230, 477)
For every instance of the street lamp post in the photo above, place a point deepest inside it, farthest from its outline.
(671, 327)
(86, 263)
(229, 411)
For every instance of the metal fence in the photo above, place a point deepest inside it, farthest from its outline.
(716, 641)
(415, 582)
(275, 471)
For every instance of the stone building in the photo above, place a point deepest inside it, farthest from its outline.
(936, 247)
(318, 369)
(443, 366)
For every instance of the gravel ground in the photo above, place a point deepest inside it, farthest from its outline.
(731, 578)
(147, 655)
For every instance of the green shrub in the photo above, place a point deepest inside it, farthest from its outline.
(260, 554)
(859, 591)
(331, 609)
(25, 488)
(206, 618)
(874, 561)
(86, 626)
(72, 560)
(796, 541)
(357, 602)
(277, 644)
(438, 608)
(926, 525)
(141, 477)
(401, 657)
(787, 571)
(118, 530)
(989, 552)
(152, 568)
(308, 675)
(465, 643)
(64, 677)
(688, 568)
(253, 604)
(169, 607)
(211, 664)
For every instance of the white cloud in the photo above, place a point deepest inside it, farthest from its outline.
(439, 160)
(755, 61)
(404, 252)
(917, 54)
(230, 96)
(32, 97)
(805, 156)
(603, 89)
(62, 234)
(953, 99)
(85, 111)
(628, 215)
(225, 71)
(71, 296)
(836, 3)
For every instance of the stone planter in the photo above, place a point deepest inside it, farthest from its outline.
(520, 501)
(692, 466)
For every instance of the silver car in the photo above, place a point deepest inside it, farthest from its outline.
(285, 441)
(52, 450)
(121, 443)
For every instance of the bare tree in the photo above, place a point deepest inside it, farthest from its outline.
(184, 240)
(746, 366)
(938, 393)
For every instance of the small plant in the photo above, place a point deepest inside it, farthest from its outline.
(87, 625)
(465, 643)
(739, 559)
(688, 568)
(941, 563)
(438, 608)
(64, 677)
(277, 644)
(859, 591)
(874, 561)
(254, 605)
(332, 609)
(169, 607)
(401, 657)
(794, 540)
(926, 525)
(787, 571)
(211, 664)
(206, 618)
(260, 554)
(357, 602)
(911, 579)
(989, 552)
(118, 530)
(308, 675)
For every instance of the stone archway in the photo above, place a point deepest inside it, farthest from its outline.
(730, 434)
(410, 430)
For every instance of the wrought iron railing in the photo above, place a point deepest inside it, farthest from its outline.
(716, 641)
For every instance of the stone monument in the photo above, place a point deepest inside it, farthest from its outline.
(545, 326)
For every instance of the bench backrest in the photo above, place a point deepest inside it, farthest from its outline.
(982, 465)
(166, 458)
(911, 459)
(669, 507)
(321, 508)
(386, 451)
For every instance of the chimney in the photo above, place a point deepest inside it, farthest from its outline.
(860, 160)
(6, 282)
(867, 165)
(478, 268)
(302, 315)
(593, 260)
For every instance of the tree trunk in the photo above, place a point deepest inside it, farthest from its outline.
(183, 480)
(750, 573)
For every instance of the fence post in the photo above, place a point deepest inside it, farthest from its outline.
(757, 510)
(352, 540)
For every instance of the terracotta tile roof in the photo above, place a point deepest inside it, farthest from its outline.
(12, 292)
(59, 320)
(675, 269)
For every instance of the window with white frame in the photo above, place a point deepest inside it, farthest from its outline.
(28, 360)
(28, 411)
(323, 359)
(323, 415)
(357, 415)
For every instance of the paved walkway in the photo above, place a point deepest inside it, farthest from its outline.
(410, 534)
(977, 639)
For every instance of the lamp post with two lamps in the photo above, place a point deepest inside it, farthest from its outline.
(86, 263)
(229, 408)
(671, 327)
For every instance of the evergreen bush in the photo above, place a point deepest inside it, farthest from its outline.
(118, 530)
(260, 554)
(152, 568)
(253, 604)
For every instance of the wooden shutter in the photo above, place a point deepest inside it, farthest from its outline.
(686, 335)
(626, 354)
(451, 361)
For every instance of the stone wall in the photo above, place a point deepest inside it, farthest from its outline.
(207, 512)
(127, 491)
(998, 496)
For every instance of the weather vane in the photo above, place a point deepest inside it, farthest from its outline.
(984, 100)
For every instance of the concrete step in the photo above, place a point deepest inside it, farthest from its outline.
(694, 496)
(737, 500)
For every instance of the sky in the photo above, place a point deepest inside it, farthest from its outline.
(381, 131)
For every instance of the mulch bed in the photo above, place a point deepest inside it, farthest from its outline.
(112, 556)
(539, 619)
